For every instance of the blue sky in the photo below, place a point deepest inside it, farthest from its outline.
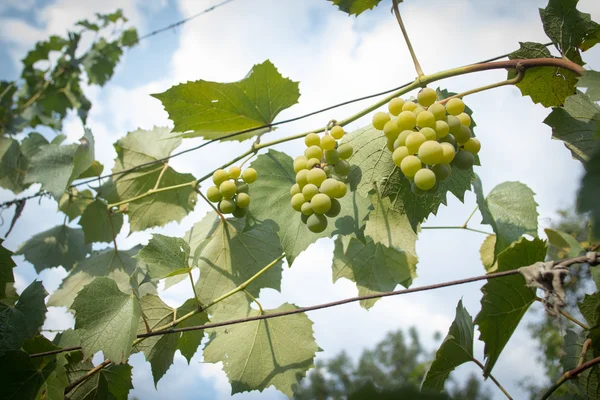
(335, 58)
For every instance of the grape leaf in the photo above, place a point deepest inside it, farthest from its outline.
(165, 256)
(58, 246)
(32, 144)
(140, 147)
(212, 109)
(589, 192)
(53, 387)
(549, 86)
(42, 49)
(106, 319)
(456, 349)
(590, 308)
(505, 300)
(13, 165)
(99, 224)
(564, 241)
(6, 268)
(188, 342)
(119, 266)
(271, 203)
(591, 81)
(112, 382)
(100, 61)
(587, 383)
(510, 210)
(258, 354)
(74, 204)
(577, 124)
(93, 171)
(374, 267)
(488, 255)
(355, 7)
(19, 377)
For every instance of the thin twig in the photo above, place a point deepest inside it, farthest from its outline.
(407, 39)
(194, 290)
(567, 316)
(470, 216)
(584, 350)
(219, 213)
(457, 227)
(512, 81)
(162, 172)
(476, 361)
(112, 228)
(254, 300)
(570, 375)
(86, 376)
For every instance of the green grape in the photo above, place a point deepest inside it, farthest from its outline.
(313, 152)
(242, 200)
(425, 179)
(380, 119)
(332, 156)
(453, 124)
(441, 129)
(304, 218)
(464, 160)
(441, 171)
(416, 191)
(242, 187)
(240, 212)
(342, 190)
(228, 189)
(345, 151)
(391, 129)
(472, 146)
(249, 175)
(438, 111)
(431, 153)
(307, 209)
(316, 176)
(406, 120)
(213, 194)
(301, 178)
(321, 203)
(227, 206)
(234, 172)
(464, 119)
(329, 187)
(342, 168)
(337, 132)
(455, 106)
(297, 201)
(300, 163)
(426, 97)
(328, 142)
(220, 176)
(335, 209)
(429, 133)
(463, 134)
(400, 154)
(409, 106)
(390, 144)
(309, 191)
(410, 165)
(414, 141)
(418, 110)
(425, 119)
(328, 170)
(401, 141)
(316, 223)
(448, 139)
(295, 189)
(312, 162)
(448, 152)
(312, 139)
(395, 106)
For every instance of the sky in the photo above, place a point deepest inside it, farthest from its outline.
(335, 58)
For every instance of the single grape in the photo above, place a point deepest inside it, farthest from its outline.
(228, 189)
(321, 203)
(425, 119)
(426, 97)
(472, 146)
(441, 171)
(220, 176)
(425, 179)
(395, 106)
(400, 154)
(303, 218)
(312, 139)
(335, 209)
(441, 129)
(406, 120)
(295, 189)
(453, 124)
(227, 206)
(438, 111)
(464, 119)
(328, 170)
(342, 168)
(464, 160)
(391, 129)
(431, 152)
(234, 172)
(329, 187)
(409, 106)
(463, 134)
(307, 209)
(416, 191)
(313, 152)
(380, 119)
(345, 151)
(316, 176)
(337, 132)
(312, 162)
(401, 141)
(327, 142)
(300, 163)
(316, 223)
(455, 106)
(342, 190)
(240, 212)
(429, 133)
(410, 165)
(332, 156)
(213, 194)
(309, 191)
(449, 139)
(448, 152)
(390, 144)
(301, 178)
(242, 200)
(414, 141)
(249, 175)
(242, 187)
(297, 201)
(418, 111)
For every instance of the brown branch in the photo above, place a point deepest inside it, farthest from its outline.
(570, 375)
(86, 376)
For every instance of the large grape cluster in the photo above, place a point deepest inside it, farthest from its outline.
(427, 137)
(230, 192)
(320, 178)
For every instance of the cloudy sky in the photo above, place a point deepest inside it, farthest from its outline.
(335, 58)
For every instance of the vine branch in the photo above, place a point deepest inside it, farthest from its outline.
(87, 376)
(570, 375)
(480, 365)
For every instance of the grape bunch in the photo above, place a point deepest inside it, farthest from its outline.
(426, 138)
(320, 178)
(230, 192)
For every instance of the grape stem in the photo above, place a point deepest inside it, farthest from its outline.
(256, 301)
(211, 204)
(470, 216)
(513, 81)
(407, 39)
(457, 227)
(480, 365)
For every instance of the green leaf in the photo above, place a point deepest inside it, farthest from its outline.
(140, 147)
(212, 109)
(488, 255)
(93, 171)
(456, 349)
(591, 81)
(106, 319)
(564, 241)
(271, 203)
(6, 268)
(129, 37)
(587, 383)
(54, 386)
(13, 165)
(32, 144)
(100, 61)
(590, 308)
(374, 267)
(577, 124)
(74, 204)
(549, 86)
(505, 300)
(19, 377)
(390, 228)
(355, 7)
(258, 354)
(188, 342)
(58, 246)
(42, 49)
(589, 192)
(99, 224)
(112, 382)
(165, 256)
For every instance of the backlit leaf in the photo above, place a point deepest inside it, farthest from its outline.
(99, 224)
(165, 256)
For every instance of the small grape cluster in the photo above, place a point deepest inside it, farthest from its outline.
(427, 137)
(320, 178)
(230, 192)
